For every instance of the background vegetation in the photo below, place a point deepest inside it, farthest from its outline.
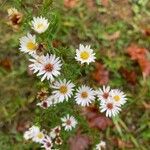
(111, 27)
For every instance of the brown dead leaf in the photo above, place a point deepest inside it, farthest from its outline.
(79, 142)
(130, 76)
(136, 52)
(105, 3)
(6, 63)
(146, 105)
(120, 143)
(145, 67)
(22, 125)
(113, 36)
(123, 144)
(101, 75)
(140, 55)
(95, 118)
(70, 3)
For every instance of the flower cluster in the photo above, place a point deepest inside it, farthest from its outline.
(48, 140)
(111, 100)
(48, 67)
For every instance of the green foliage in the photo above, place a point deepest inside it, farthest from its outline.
(71, 27)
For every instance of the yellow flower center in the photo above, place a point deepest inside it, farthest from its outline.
(84, 55)
(40, 135)
(117, 98)
(39, 26)
(31, 45)
(63, 89)
(84, 94)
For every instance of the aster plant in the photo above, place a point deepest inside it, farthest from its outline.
(50, 67)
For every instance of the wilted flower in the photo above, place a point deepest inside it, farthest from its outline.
(101, 145)
(15, 17)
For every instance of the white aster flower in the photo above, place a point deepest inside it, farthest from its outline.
(118, 96)
(39, 137)
(68, 122)
(84, 96)
(104, 93)
(63, 90)
(31, 132)
(101, 145)
(48, 66)
(85, 54)
(39, 24)
(111, 108)
(28, 44)
(47, 143)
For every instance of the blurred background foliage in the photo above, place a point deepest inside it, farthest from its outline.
(110, 26)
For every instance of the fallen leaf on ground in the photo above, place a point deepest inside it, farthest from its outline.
(105, 3)
(70, 3)
(140, 55)
(146, 105)
(145, 67)
(95, 118)
(120, 143)
(113, 36)
(101, 75)
(6, 63)
(79, 142)
(136, 52)
(130, 76)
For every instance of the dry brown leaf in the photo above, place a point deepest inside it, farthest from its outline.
(136, 52)
(113, 36)
(79, 142)
(140, 55)
(105, 3)
(70, 3)
(6, 63)
(130, 76)
(123, 144)
(145, 67)
(101, 75)
(95, 118)
(146, 105)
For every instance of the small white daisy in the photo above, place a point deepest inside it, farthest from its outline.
(39, 24)
(84, 96)
(118, 96)
(63, 90)
(101, 145)
(68, 122)
(38, 137)
(104, 93)
(47, 143)
(31, 132)
(48, 66)
(28, 44)
(85, 54)
(111, 108)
